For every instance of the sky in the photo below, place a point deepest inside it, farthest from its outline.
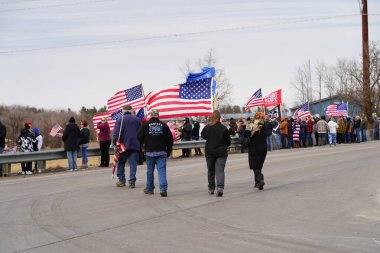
(68, 54)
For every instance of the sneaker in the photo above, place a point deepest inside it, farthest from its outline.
(120, 184)
(146, 191)
(211, 191)
(22, 172)
(69, 170)
(260, 185)
(28, 173)
(131, 185)
(219, 192)
(163, 194)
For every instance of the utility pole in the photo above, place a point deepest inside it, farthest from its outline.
(367, 106)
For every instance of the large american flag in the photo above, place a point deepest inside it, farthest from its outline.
(98, 117)
(255, 100)
(337, 110)
(132, 96)
(188, 99)
(302, 111)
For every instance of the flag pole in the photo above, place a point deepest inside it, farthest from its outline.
(143, 93)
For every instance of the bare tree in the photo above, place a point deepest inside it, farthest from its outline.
(302, 83)
(223, 85)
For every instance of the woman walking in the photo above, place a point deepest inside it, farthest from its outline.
(217, 140)
(104, 142)
(257, 149)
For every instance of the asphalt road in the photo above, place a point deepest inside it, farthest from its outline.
(316, 200)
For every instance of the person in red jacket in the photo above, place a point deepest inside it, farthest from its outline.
(104, 142)
(309, 131)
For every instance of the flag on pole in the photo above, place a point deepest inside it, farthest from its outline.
(119, 148)
(140, 114)
(188, 99)
(255, 100)
(302, 111)
(275, 112)
(132, 96)
(56, 130)
(272, 99)
(337, 110)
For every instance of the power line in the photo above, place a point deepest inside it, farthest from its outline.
(176, 35)
(56, 5)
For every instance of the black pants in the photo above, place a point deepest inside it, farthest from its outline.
(256, 163)
(215, 168)
(26, 166)
(316, 139)
(284, 138)
(104, 153)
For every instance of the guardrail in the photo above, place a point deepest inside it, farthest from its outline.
(55, 154)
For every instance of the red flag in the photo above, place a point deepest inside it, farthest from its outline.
(273, 99)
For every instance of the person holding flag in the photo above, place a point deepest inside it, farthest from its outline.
(125, 134)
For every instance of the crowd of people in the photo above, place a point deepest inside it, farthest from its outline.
(257, 136)
(308, 131)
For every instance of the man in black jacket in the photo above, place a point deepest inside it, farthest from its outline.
(158, 141)
(3, 133)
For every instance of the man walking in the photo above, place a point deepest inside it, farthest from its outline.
(126, 129)
(158, 141)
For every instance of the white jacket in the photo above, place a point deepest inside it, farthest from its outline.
(332, 127)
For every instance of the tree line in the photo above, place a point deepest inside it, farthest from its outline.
(343, 79)
(14, 117)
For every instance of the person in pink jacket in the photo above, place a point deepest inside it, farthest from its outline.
(104, 142)
(175, 136)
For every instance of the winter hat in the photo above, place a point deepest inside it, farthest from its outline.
(36, 131)
(72, 120)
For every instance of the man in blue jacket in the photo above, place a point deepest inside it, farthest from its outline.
(126, 129)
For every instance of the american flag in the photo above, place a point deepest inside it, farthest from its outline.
(119, 148)
(336, 110)
(189, 99)
(302, 111)
(255, 100)
(117, 114)
(132, 96)
(296, 133)
(56, 130)
(98, 117)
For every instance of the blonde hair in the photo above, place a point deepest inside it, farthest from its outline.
(215, 118)
(259, 115)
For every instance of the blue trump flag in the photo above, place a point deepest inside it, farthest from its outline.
(207, 72)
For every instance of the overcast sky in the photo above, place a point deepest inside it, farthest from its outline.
(67, 54)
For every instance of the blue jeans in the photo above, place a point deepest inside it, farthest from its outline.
(364, 135)
(277, 138)
(376, 133)
(160, 163)
(332, 138)
(132, 156)
(290, 142)
(72, 158)
(1, 166)
(83, 150)
(348, 137)
(309, 139)
(269, 142)
(358, 131)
